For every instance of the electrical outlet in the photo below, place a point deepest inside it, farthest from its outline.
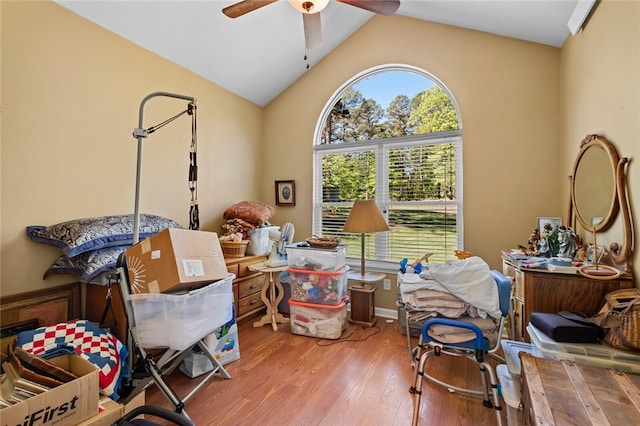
(387, 284)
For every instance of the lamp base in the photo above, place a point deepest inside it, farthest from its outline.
(363, 305)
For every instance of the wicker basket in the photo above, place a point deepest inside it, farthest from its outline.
(618, 300)
(234, 249)
(626, 336)
(323, 242)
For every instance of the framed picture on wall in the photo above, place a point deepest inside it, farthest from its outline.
(285, 193)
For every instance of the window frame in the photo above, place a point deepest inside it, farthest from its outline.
(383, 145)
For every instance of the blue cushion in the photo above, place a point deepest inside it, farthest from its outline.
(81, 235)
(88, 265)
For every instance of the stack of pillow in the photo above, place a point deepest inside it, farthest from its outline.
(91, 246)
(245, 216)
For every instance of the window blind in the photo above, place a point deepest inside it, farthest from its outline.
(416, 182)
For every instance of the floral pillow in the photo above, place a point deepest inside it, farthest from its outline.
(81, 235)
(254, 212)
(88, 265)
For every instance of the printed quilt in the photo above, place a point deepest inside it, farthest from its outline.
(86, 339)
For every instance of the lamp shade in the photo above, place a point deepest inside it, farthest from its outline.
(365, 217)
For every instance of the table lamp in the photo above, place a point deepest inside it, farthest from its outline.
(365, 218)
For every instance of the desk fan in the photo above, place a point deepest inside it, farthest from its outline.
(281, 239)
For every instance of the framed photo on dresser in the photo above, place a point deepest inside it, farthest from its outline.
(555, 222)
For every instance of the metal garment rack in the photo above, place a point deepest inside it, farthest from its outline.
(171, 359)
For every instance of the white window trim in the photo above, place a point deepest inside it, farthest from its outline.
(373, 264)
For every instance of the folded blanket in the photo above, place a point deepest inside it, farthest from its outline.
(469, 279)
(438, 302)
(450, 334)
(86, 339)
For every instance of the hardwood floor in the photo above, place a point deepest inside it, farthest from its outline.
(361, 379)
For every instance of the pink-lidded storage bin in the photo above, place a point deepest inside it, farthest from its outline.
(321, 287)
(322, 321)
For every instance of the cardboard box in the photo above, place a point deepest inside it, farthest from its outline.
(174, 260)
(111, 411)
(70, 403)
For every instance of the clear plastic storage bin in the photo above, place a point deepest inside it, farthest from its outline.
(177, 321)
(323, 321)
(316, 259)
(592, 354)
(260, 242)
(322, 287)
(512, 349)
(510, 389)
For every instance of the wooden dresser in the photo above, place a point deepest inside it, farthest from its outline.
(246, 286)
(539, 290)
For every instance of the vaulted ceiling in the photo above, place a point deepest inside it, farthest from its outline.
(259, 54)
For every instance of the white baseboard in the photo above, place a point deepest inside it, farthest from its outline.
(383, 312)
(387, 313)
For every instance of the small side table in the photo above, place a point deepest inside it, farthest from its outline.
(271, 301)
(363, 298)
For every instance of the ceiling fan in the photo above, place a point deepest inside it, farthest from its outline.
(310, 10)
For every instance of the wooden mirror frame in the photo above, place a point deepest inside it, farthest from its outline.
(619, 257)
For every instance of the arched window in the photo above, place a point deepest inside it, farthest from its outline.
(392, 134)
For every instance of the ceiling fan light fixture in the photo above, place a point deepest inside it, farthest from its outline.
(309, 6)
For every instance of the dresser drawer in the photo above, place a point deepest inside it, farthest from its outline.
(240, 266)
(519, 284)
(243, 268)
(250, 303)
(247, 286)
(233, 269)
(250, 285)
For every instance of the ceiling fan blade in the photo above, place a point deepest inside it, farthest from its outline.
(246, 6)
(312, 30)
(382, 7)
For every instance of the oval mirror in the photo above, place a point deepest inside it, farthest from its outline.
(593, 193)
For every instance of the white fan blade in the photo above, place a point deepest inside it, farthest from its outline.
(312, 30)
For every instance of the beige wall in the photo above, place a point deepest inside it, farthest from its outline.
(71, 93)
(601, 92)
(508, 92)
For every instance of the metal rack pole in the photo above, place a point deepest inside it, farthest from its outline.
(140, 133)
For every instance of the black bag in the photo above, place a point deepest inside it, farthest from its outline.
(562, 329)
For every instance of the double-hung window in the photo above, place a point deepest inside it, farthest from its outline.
(415, 179)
